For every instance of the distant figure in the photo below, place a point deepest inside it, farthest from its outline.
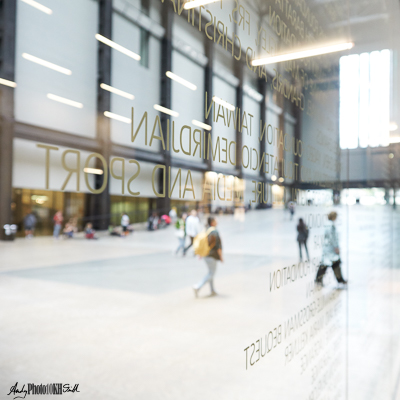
(58, 220)
(330, 252)
(214, 255)
(173, 214)
(302, 237)
(292, 208)
(115, 230)
(192, 228)
(152, 222)
(89, 231)
(125, 224)
(181, 233)
(70, 228)
(29, 224)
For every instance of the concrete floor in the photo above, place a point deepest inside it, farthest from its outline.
(118, 317)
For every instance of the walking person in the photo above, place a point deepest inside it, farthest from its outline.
(181, 233)
(302, 237)
(330, 252)
(292, 208)
(58, 219)
(125, 224)
(214, 254)
(29, 224)
(192, 228)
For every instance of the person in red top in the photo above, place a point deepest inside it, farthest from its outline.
(58, 219)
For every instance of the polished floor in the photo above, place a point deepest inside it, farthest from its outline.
(118, 315)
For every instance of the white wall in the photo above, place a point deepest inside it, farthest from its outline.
(143, 183)
(250, 106)
(189, 103)
(228, 93)
(72, 45)
(128, 75)
(272, 119)
(29, 168)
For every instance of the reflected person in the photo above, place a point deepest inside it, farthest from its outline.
(330, 252)
(181, 233)
(192, 228)
(214, 255)
(302, 237)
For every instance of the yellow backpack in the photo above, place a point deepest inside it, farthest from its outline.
(200, 243)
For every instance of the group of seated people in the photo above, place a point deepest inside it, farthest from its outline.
(71, 228)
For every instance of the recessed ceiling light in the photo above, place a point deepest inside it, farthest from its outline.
(180, 80)
(117, 117)
(166, 110)
(38, 6)
(117, 47)
(47, 64)
(304, 54)
(201, 125)
(64, 100)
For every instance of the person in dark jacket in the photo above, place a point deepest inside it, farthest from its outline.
(29, 224)
(215, 254)
(302, 236)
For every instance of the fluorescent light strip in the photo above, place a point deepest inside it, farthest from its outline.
(5, 82)
(253, 93)
(180, 80)
(64, 100)
(117, 117)
(393, 127)
(197, 3)
(304, 54)
(39, 6)
(95, 171)
(224, 103)
(201, 125)
(117, 47)
(394, 140)
(166, 110)
(47, 64)
(117, 91)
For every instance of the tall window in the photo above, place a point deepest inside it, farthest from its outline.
(365, 100)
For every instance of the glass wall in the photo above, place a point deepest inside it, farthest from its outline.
(198, 199)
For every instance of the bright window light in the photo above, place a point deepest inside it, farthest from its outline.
(201, 125)
(64, 100)
(349, 92)
(117, 117)
(166, 110)
(180, 80)
(95, 171)
(38, 6)
(117, 91)
(6, 82)
(47, 64)
(117, 47)
(303, 54)
(365, 100)
(224, 103)
(197, 3)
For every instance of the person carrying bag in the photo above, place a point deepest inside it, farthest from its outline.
(208, 245)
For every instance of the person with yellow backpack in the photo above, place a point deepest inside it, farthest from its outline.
(207, 244)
